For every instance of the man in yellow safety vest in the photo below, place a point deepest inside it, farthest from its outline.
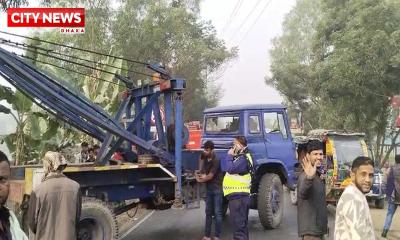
(238, 166)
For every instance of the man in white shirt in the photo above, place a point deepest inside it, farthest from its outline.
(353, 218)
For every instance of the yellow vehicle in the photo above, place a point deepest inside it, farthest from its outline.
(340, 149)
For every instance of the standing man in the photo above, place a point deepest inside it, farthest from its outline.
(210, 173)
(91, 155)
(9, 225)
(84, 154)
(238, 166)
(353, 219)
(392, 193)
(55, 205)
(312, 217)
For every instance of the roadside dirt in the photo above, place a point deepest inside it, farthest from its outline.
(378, 217)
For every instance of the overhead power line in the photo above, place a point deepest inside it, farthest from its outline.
(66, 69)
(51, 51)
(61, 59)
(255, 22)
(69, 61)
(233, 14)
(75, 48)
(245, 19)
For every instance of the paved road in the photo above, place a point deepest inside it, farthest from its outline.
(188, 225)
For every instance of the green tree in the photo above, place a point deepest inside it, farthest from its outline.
(356, 64)
(169, 32)
(291, 59)
(174, 35)
(5, 4)
(338, 63)
(35, 132)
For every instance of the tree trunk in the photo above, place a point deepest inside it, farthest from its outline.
(378, 146)
(19, 146)
(382, 146)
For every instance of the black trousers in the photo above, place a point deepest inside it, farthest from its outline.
(239, 215)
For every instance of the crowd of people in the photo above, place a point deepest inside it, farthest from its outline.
(90, 154)
(231, 178)
(55, 204)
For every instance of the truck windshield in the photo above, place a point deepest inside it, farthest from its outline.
(222, 124)
(347, 149)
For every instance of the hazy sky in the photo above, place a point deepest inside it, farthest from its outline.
(243, 79)
(243, 82)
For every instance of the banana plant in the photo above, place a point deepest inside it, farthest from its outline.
(105, 93)
(36, 131)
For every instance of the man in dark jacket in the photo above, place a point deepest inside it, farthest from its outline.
(55, 205)
(312, 216)
(393, 194)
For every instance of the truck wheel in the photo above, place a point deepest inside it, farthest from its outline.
(270, 201)
(380, 203)
(293, 196)
(98, 221)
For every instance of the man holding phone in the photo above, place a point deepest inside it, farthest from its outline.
(210, 174)
(238, 166)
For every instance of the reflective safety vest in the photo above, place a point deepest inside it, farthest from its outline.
(235, 183)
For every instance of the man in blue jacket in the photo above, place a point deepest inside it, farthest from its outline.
(236, 185)
(393, 194)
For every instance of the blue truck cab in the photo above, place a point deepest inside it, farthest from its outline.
(266, 128)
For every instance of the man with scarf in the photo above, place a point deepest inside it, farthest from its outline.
(9, 226)
(55, 205)
(393, 194)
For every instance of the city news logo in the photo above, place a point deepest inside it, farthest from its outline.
(69, 20)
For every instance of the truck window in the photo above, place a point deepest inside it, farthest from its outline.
(274, 123)
(271, 124)
(254, 124)
(222, 124)
(282, 126)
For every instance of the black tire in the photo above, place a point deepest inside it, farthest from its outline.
(98, 221)
(270, 201)
(380, 203)
(293, 196)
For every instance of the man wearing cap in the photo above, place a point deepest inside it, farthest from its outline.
(55, 205)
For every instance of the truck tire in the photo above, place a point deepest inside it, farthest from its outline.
(270, 201)
(98, 221)
(380, 203)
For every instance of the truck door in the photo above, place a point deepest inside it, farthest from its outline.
(278, 140)
(255, 138)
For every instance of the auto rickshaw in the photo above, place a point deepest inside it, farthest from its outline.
(340, 149)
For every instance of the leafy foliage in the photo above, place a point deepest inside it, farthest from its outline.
(346, 65)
